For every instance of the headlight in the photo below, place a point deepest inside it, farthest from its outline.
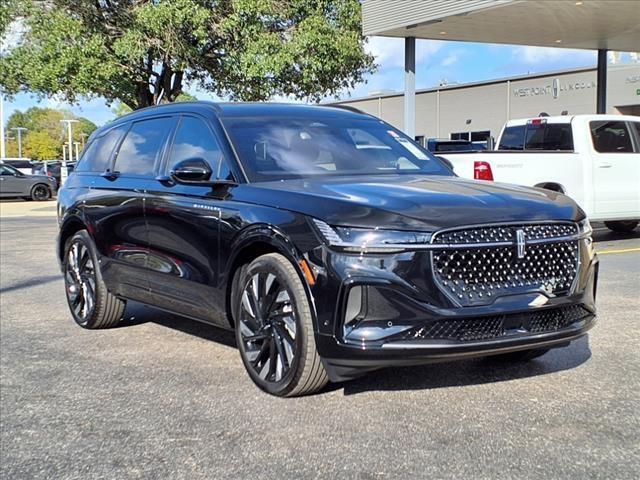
(584, 228)
(365, 240)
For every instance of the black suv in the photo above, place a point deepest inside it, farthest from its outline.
(330, 241)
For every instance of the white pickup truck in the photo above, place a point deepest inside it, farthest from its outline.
(595, 159)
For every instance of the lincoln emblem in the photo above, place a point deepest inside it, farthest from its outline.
(520, 243)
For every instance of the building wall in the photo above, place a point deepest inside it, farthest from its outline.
(488, 105)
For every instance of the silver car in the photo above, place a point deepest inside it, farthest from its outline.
(14, 183)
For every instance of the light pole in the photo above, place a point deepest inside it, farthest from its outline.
(77, 146)
(83, 137)
(64, 153)
(69, 130)
(3, 151)
(19, 130)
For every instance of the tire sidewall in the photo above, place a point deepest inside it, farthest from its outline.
(37, 186)
(83, 237)
(269, 264)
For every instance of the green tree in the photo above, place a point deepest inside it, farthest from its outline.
(141, 52)
(39, 145)
(46, 131)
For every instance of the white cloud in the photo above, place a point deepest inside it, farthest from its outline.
(450, 59)
(389, 52)
(544, 55)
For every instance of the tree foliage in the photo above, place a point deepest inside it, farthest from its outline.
(45, 133)
(142, 52)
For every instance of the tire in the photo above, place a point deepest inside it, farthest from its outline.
(90, 303)
(521, 356)
(40, 192)
(622, 226)
(270, 304)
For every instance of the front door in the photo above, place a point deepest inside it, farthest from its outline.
(616, 168)
(183, 222)
(12, 182)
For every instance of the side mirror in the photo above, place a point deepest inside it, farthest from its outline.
(191, 171)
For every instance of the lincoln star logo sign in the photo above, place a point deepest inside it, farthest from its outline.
(555, 87)
(521, 243)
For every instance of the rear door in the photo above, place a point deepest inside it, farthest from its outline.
(184, 225)
(121, 166)
(616, 168)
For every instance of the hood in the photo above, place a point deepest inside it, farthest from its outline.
(406, 202)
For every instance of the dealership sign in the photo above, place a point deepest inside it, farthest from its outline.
(553, 89)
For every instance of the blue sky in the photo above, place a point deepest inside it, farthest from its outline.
(436, 60)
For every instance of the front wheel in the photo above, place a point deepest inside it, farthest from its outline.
(622, 226)
(274, 328)
(40, 193)
(91, 304)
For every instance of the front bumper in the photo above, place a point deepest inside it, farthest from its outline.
(408, 309)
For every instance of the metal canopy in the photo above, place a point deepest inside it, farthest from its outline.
(588, 24)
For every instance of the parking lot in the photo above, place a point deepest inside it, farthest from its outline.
(166, 397)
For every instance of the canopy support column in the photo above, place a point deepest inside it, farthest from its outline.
(410, 86)
(601, 84)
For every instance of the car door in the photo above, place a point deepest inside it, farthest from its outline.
(616, 168)
(183, 222)
(12, 182)
(115, 202)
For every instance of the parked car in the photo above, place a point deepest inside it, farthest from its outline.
(14, 183)
(53, 169)
(23, 165)
(327, 239)
(595, 159)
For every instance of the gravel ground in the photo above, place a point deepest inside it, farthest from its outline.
(166, 397)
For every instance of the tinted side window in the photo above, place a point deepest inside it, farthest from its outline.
(610, 137)
(142, 145)
(549, 136)
(96, 156)
(194, 139)
(512, 138)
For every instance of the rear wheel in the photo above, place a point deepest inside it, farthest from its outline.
(40, 193)
(522, 355)
(622, 226)
(274, 328)
(91, 304)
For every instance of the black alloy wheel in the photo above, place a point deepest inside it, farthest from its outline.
(40, 193)
(268, 326)
(91, 304)
(274, 330)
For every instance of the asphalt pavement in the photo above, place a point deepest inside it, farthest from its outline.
(166, 397)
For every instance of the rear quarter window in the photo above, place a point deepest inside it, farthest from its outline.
(97, 154)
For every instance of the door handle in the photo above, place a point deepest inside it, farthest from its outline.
(604, 165)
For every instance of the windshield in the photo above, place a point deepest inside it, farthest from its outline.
(273, 148)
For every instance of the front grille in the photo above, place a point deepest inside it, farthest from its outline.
(476, 275)
(496, 326)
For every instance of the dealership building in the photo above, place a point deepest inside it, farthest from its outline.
(474, 111)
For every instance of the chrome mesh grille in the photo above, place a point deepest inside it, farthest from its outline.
(496, 326)
(506, 233)
(476, 275)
